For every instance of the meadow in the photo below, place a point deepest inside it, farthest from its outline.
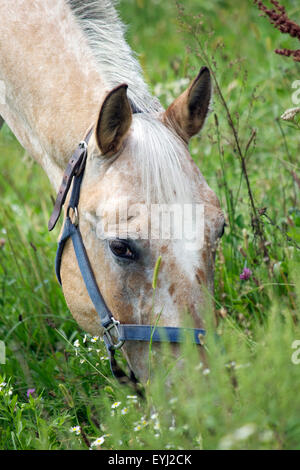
(56, 389)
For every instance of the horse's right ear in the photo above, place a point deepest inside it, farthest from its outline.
(186, 115)
(114, 120)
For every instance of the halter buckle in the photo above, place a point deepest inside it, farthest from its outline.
(75, 217)
(110, 339)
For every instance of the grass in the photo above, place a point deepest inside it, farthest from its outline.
(247, 396)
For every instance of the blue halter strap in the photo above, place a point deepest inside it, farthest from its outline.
(115, 334)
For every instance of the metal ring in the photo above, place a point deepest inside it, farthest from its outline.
(75, 220)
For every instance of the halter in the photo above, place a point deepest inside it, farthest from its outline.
(115, 334)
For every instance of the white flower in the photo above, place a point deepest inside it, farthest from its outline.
(116, 404)
(156, 426)
(154, 416)
(240, 434)
(244, 432)
(84, 339)
(173, 401)
(132, 398)
(137, 428)
(206, 372)
(94, 339)
(290, 113)
(2, 385)
(98, 442)
(266, 436)
(76, 343)
(124, 411)
(75, 429)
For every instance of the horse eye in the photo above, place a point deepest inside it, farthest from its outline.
(121, 249)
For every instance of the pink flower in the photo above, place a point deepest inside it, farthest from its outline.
(30, 391)
(246, 274)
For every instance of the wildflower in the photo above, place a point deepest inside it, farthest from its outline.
(156, 426)
(75, 429)
(2, 385)
(223, 312)
(98, 442)
(137, 428)
(154, 416)
(76, 343)
(279, 18)
(244, 432)
(84, 339)
(30, 391)
(124, 411)
(206, 371)
(173, 401)
(246, 274)
(266, 436)
(241, 434)
(116, 404)
(94, 339)
(289, 114)
(132, 398)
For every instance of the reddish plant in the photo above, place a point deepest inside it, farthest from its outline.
(279, 18)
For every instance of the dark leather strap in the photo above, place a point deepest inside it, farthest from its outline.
(75, 163)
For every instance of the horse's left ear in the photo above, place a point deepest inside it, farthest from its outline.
(186, 115)
(114, 120)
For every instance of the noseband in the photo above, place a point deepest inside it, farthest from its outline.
(115, 334)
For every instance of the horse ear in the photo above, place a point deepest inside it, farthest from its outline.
(114, 120)
(186, 115)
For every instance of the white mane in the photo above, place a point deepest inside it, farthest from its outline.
(159, 156)
(105, 33)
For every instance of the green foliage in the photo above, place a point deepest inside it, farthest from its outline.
(246, 395)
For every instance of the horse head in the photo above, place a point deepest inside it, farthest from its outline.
(143, 197)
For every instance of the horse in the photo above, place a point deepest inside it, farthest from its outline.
(66, 69)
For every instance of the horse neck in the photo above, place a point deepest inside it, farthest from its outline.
(51, 88)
